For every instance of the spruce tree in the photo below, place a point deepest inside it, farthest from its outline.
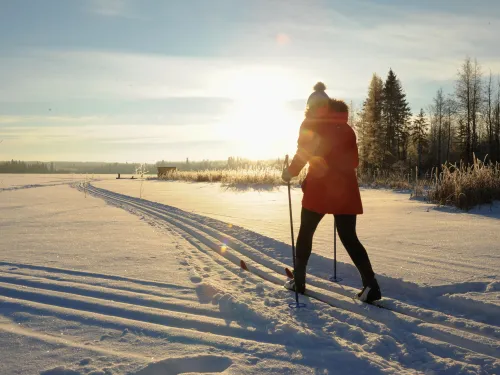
(395, 116)
(389, 115)
(419, 135)
(371, 132)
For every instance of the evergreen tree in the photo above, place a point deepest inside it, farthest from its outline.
(404, 125)
(390, 113)
(395, 115)
(371, 132)
(419, 135)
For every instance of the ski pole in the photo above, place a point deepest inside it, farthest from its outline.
(334, 278)
(334, 249)
(298, 305)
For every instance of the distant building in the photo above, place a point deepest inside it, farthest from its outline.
(164, 171)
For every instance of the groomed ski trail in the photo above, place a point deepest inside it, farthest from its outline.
(93, 299)
(260, 264)
(472, 336)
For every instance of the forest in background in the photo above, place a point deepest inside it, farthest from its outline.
(455, 128)
(15, 166)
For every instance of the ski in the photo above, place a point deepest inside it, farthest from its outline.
(289, 274)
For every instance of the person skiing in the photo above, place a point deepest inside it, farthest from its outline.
(328, 144)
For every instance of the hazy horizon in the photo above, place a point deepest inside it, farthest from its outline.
(122, 81)
(138, 162)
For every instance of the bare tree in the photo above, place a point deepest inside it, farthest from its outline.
(476, 103)
(468, 93)
(488, 114)
(497, 123)
(439, 115)
(450, 109)
(353, 116)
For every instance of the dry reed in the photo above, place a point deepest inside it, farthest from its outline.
(466, 186)
(458, 185)
(268, 176)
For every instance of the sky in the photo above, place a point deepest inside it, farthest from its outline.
(149, 80)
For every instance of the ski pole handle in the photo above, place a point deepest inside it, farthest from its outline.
(285, 164)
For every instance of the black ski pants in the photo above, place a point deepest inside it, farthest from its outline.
(346, 227)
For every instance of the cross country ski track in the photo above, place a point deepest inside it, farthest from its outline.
(85, 300)
(228, 251)
(218, 310)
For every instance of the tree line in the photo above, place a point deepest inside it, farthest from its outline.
(454, 128)
(18, 166)
(15, 166)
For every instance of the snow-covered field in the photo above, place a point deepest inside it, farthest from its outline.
(107, 283)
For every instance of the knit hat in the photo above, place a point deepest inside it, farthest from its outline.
(319, 97)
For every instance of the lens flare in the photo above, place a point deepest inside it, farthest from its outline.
(282, 39)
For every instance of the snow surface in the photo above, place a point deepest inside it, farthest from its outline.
(406, 239)
(107, 283)
(18, 181)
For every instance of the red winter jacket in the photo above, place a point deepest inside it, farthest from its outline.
(329, 145)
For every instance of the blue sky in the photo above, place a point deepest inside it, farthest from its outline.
(123, 80)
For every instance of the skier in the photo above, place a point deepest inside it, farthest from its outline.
(328, 144)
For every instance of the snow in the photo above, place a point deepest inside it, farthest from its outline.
(27, 181)
(406, 239)
(108, 283)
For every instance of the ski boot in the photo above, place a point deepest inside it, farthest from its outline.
(299, 280)
(370, 292)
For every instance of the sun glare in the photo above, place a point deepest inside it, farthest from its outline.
(261, 119)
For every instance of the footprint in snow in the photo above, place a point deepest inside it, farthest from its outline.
(99, 372)
(61, 370)
(206, 293)
(196, 279)
(259, 288)
(198, 364)
(85, 361)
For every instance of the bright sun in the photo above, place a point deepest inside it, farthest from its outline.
(261, 120)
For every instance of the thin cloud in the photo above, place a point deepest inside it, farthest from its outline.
(106, 74)
(112, 8)
(20, 119)
(100, 132)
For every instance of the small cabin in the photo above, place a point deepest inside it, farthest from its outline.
(164, 171)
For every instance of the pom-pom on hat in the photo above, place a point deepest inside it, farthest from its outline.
(319, 97)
